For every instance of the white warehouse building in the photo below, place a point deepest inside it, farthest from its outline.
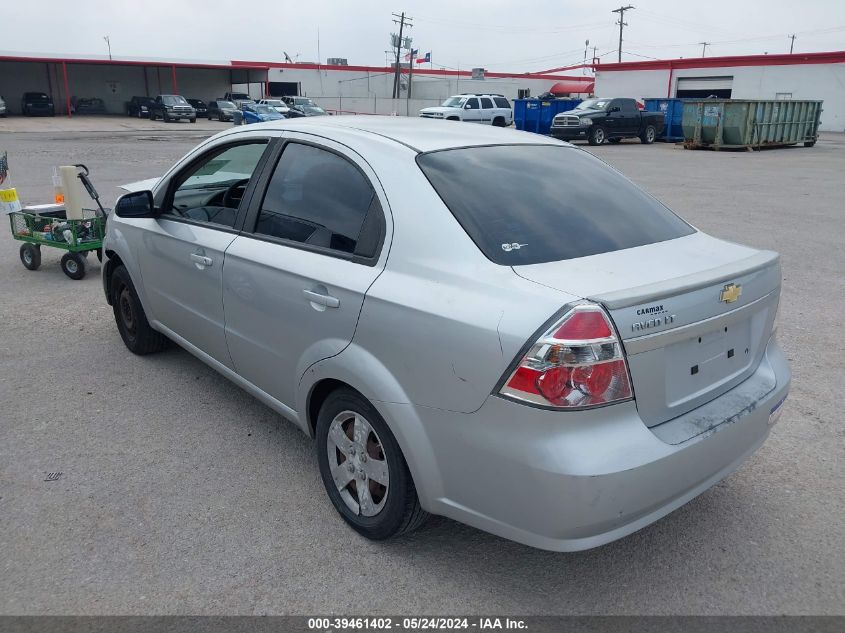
(812, 76)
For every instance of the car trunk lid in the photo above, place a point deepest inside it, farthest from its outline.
(694, 314)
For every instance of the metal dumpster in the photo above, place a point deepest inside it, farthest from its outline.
(752, 124)
(535, 115)
(673, 113)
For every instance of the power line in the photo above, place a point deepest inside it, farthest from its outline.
(621, 23)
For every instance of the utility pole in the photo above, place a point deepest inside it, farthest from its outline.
(621, 23)
(402, 22)
(108, 43)
(792, 43)
(704, 46)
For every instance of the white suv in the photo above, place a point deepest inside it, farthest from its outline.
(473, 108)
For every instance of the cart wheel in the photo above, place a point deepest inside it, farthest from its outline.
(100, 255)
(73, 265)
(31, 256)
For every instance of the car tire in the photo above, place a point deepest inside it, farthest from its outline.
(391, 506)
(73, 265)
(809, 143)
(499, 122)
(597, 135)
(194, 120)
(137, 334)
(30, 256)
(165, 117)
(648, 135)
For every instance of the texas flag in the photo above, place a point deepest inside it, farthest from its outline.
(424, 60)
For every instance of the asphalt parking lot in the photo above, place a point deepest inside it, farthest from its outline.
(181, 494)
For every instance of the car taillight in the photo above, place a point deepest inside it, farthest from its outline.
(578, 362)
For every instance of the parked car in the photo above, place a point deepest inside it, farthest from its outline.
(473, 108)
(221, 110)
(88, 105)
(2, 108)
(600, 120)
(400, 290)
(172, 108)
(299, 110)
(37, 104)
(277, 104)
(238, 98)
(199, 106)
(139, 106)
(256, 113)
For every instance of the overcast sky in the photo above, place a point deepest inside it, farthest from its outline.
(501, 35)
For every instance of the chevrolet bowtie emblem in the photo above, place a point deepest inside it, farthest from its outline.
(730, 293)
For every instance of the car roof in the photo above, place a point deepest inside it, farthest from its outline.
(416, 133)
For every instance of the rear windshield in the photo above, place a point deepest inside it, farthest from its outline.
(529, 204)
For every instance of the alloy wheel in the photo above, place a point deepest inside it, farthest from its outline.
(357, 463)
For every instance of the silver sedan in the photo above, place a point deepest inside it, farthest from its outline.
(485, 324)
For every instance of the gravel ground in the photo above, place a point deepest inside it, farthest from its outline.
(181, 494)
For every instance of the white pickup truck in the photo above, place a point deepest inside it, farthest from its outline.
(473, 108)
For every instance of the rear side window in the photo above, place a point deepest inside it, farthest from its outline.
(318, 198)
(501, 102)
(486, 104)
(529, 204)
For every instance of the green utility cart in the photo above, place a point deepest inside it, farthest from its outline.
(47, 225)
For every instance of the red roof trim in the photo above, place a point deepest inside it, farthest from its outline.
(127, 62)
(833, 57)
(420, 70)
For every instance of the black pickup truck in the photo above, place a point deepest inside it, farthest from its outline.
(600, 120)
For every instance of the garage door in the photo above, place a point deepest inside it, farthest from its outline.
(702, 87)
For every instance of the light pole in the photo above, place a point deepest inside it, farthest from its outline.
(586, 46)
(108, 43)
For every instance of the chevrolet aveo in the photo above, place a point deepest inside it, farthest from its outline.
(480, 323)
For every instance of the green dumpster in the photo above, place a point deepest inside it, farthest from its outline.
(745, 123)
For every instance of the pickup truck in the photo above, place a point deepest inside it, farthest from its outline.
(238, 98)
(611, 120)
(172, 108)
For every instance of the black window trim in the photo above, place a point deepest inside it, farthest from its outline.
(246, 202)
(263, 183)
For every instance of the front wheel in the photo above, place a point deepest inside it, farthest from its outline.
(363, 469)
(648, 135)
(194, 120)
(31, 256)
(73, 265)
(166, 118)
(597, 135)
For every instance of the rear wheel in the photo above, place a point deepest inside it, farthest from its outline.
(648, 135)
(809, 143)
(363, 469)
(31, 256)
(499, 121)
(73, 265)
(129, 315)
(597, 135)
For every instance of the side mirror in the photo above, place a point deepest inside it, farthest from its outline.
(137, 204)
(614, 109)
(467, 107)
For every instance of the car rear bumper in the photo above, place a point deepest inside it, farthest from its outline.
(572, 481)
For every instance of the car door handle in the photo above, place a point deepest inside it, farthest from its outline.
(321, 299)
(201, 259)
